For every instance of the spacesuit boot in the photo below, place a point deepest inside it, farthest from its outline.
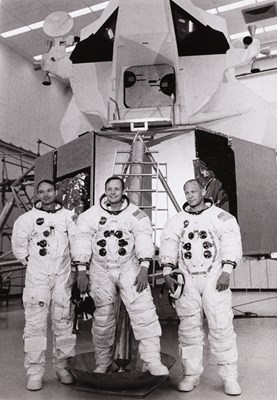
(65, 376)
(103, 358)
(155, 368)
(34, 382)
(34, 361)
(188, 383)
(63, 350)
(103, 336)
(192, 367)
(149, 349)
(232, 387)
(101, 368)
(228, 374)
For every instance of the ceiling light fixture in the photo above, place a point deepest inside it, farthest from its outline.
(16, 31)
(233, 6)
(78, 13)
(245, 33)
(260, 30)
(99, 6)
(238, 35)
(39, 24)
(270, 28)
(36, 25)
(237, 4)
(212, 11)
(68, 49)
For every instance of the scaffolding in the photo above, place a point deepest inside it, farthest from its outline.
(16, 189)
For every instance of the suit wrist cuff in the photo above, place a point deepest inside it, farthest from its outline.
(167, 270)
(227, 268)
(145, 264)
(230, 262)
(81, 268)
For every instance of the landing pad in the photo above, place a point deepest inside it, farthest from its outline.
(132, 382)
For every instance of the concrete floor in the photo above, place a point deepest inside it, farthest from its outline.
(257, 343)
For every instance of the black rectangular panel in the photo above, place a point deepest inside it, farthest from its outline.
(259, 13)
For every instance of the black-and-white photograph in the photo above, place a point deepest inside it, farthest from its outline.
(138, 211)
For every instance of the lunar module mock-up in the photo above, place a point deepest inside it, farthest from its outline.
(153, 82)
(164, 70)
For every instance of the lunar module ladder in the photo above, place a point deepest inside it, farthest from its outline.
(152, 172)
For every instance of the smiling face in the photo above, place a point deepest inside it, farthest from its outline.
(46, 194)
(114, 192)
(195, 195)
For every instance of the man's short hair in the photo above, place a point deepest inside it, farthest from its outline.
(46, 181)
(113, 178)
(194, 180)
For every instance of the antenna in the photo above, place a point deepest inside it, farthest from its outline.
(58, 24)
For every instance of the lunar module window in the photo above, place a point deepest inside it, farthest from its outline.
(194, 38)
(149, 86)
(99, 46)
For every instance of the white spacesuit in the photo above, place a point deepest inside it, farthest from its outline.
(40, 240)
(200, 243)
(116, 244)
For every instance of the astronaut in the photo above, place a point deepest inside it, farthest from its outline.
(205, 242)
(114, 241)
(40, 240)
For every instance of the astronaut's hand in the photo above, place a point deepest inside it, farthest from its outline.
(141, 281)
(170, 282)
(82, 281)
(223, 281)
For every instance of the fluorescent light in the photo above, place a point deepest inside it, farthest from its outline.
(14, 32)
(270, 28)
(246, 33)
(239, 35)
(68, 50)
(78, 13)
(237, 4)
(259, 30)
(36, 25)
(212, 11)
(99, 6)
(39, 24)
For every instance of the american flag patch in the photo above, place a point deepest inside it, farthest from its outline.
(139, 214)
(224, 216)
